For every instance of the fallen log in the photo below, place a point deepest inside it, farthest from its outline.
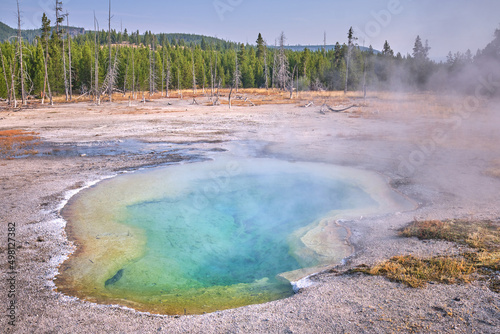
(334, 110)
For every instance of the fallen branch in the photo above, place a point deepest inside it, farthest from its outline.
(334, 110)
(84, 94)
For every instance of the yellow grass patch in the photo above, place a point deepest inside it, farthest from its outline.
(482, 263)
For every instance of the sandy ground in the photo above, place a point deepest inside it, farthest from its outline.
(433, 155)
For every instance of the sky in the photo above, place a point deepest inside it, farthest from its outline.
(448, 25)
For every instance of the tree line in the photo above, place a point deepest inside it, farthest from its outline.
(100, 62)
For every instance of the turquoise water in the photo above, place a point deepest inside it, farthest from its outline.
(208, 236)
(238, 235)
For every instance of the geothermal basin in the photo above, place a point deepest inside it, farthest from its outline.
(207, 236)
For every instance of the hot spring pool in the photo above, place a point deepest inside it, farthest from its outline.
(201, 237)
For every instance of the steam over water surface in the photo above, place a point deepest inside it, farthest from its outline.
(208, 236)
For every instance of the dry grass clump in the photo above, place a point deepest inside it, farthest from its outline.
(483, 263)
(17, 142)
(416, 272)
(482, 235)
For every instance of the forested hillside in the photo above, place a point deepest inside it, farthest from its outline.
(56, 62)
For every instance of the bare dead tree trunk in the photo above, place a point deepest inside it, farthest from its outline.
(150, 71)
(194, 73)
(66, 90)
(162, 69)
(20, 45)
(297, 86)
(179, 91)
(167, 82)
(153, 64)
(13, 82)
(91, 92)
(266, 74)
(219, 83)
(5, 77)
(324, 45)
(283, 73)
(236, 79)
(364, 79)
(69, 59)
(133, 75)
(96, 66)
(215, 72)
(204, 76)
(46, 81)
(211, 76)
(291, 82)
(110, 74)
(347, 68)
(229, 97)
(126, 77)
(273, 79)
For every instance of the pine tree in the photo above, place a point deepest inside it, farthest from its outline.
(45, 41)
(260, 46)
(387, 51)
(350, 46)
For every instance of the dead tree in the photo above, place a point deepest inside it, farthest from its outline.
(20, 50)
(297, 86)
(69, 59)
(324, 45)
(215, 74)
(283, 73)
(59, 33)
(66, 88)
(167, 77)
(273, 79)
(150, 71)
(134, 96)
(266, 74)
(211, 76)
(13, 81)
(179, 91)
(45, 39)
(110, 87)
(163, 66)
(96, 61)
(237, 74)
(126, 76)
(194, 73)
(291, 82)
(350, 46)
(204, 76)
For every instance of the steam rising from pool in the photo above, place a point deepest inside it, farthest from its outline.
(207, 236)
